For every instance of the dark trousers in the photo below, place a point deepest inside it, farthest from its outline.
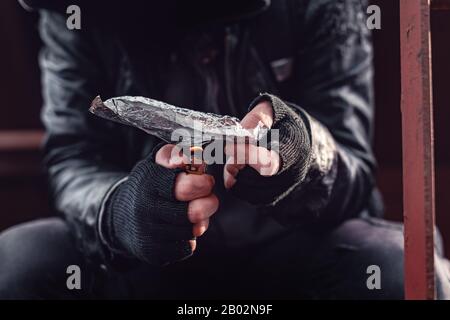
(34, 258)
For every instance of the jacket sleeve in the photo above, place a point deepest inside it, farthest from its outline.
(333, 79)
(81, 152)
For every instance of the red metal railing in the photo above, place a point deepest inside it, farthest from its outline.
(418, 146)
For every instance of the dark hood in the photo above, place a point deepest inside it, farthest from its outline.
(155, 14)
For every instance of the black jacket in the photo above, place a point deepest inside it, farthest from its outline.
(317, 54)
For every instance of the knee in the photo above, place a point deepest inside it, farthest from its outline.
(380, 243)
(32, 255)
(375, 263)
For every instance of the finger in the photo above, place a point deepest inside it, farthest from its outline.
(263, 112)
(200, 228)
(190, 186)
(203, 208)
(265, 162)
(171, 157)
(230, 172)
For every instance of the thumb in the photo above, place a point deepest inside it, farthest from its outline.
(263, 112)
(171, 156)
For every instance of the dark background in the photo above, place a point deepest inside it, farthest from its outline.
(23, 191)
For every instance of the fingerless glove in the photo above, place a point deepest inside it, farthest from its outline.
(294, 148)
(143, 218)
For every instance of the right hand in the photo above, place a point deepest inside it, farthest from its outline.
(158, 212)
(196, 189)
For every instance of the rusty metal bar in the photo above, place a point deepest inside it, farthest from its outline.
(418, 153)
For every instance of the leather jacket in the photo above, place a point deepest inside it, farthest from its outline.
(315, 54)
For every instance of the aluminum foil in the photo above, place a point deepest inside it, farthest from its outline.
(169, 122)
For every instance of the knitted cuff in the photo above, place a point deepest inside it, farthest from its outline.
(294, 145)
(294, 148)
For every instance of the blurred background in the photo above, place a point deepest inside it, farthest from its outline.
(23, 189)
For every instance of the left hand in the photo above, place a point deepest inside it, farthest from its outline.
(265, 162)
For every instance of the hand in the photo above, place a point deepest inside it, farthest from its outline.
(156, 214)
(267, 161)
(263, 176)
(196, 189)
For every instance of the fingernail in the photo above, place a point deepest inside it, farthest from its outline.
(229, 181)
(193, 244)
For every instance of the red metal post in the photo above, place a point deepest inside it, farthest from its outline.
(418, 153)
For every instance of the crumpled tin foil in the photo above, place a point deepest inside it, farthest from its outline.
(169, 122)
